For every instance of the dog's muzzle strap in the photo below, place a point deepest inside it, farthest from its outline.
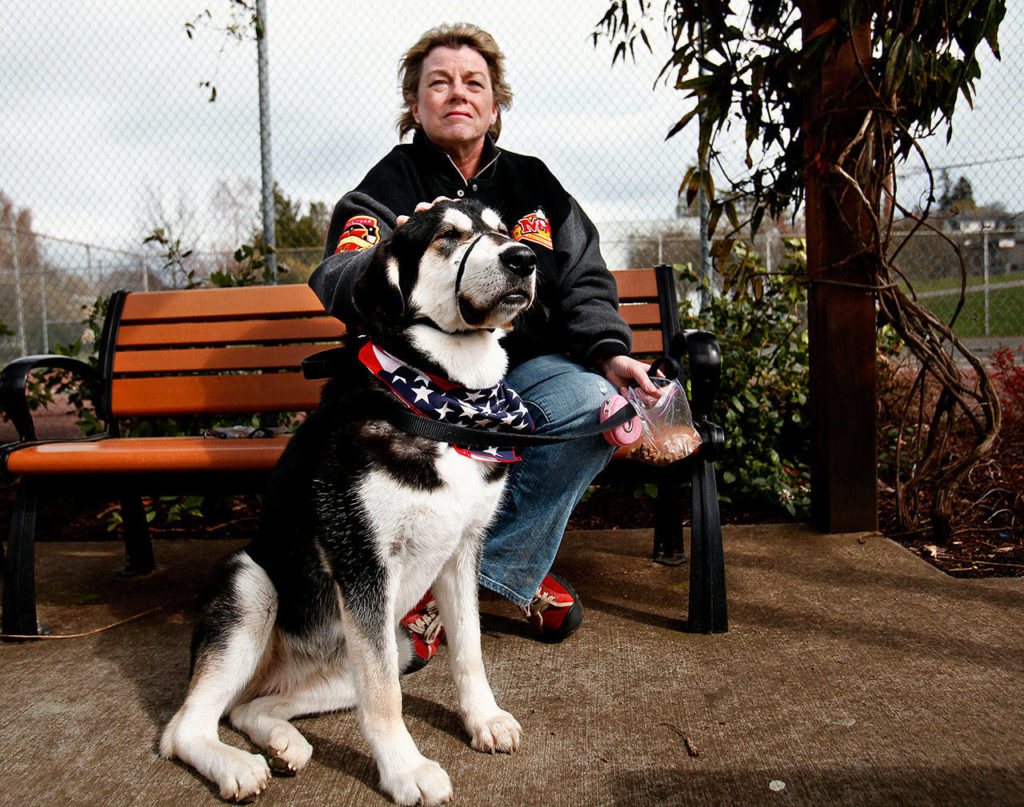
(462, 263)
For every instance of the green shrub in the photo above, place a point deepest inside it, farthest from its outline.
(251, 267)
(760, 322)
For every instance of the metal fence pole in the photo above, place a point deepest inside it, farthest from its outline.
(984, 243)
(18, 303)
(705, 218)
(267, 173)
(705, 255)
(42, 303)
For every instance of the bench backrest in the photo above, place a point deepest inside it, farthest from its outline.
(212, 351)
(233, 350)
(647, 301)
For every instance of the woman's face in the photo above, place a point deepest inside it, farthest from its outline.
(455, 100)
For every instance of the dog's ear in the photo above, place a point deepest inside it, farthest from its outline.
(410, 239)
(377, 294)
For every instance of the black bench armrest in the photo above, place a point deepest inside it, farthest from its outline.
(705, 371)
(705, 367)
(13, 380)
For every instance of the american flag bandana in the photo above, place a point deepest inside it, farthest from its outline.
(490, 408)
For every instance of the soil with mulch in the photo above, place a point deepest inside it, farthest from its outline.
(988, 522)
(987, 525)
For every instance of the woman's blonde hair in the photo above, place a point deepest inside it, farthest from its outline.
(410, 68)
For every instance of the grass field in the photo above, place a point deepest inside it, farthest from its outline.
(1005, 306)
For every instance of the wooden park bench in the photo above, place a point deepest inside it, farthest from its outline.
(238, 351)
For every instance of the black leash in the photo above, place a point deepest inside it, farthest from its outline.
(481, 438)
(323, 364)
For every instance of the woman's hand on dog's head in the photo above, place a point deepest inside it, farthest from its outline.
(421, 207)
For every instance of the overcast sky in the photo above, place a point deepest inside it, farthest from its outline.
(102, 109)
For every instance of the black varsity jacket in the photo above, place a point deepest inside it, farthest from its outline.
(576, 310)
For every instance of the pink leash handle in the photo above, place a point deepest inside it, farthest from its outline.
(625, 434)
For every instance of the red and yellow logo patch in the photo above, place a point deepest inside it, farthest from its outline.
(534, 228)
(361, 232)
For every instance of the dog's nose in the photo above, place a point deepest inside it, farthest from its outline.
(519, 259)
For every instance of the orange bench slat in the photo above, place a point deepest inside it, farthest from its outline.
(148, 455)
(194, 304)
(229, 332)
(214, 394)
(181, 360)
(641, 314)
(647, 342)
(636, 284)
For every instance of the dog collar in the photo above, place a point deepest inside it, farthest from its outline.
(490, 408)
(431, 324)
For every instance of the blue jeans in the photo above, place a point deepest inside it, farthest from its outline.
(545, 486)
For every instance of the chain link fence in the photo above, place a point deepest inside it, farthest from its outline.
(151, 122)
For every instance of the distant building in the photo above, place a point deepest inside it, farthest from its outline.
(929, 255)
(1003, 232)
(977, 221)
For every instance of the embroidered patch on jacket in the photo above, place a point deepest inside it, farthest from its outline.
(361, 232)
(534, 228)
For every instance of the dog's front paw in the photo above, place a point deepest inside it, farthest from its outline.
(424, 783)
(497, 732)
(241, 776)
(288, 751)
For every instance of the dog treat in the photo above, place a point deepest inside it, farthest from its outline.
(667, 433)
(675, 444)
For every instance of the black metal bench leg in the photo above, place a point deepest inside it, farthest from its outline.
(19, 599)
(707, 610)
(668, 523)
(138, 548)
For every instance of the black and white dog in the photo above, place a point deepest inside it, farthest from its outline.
(359, 520)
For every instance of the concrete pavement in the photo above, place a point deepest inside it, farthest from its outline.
(853, 674)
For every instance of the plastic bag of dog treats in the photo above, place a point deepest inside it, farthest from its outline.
(667, 432)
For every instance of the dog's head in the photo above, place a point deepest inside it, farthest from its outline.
(453, 266)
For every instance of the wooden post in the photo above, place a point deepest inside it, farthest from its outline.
(844, 494)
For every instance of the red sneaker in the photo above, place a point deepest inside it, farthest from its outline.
(556, 611)
(423, 623)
